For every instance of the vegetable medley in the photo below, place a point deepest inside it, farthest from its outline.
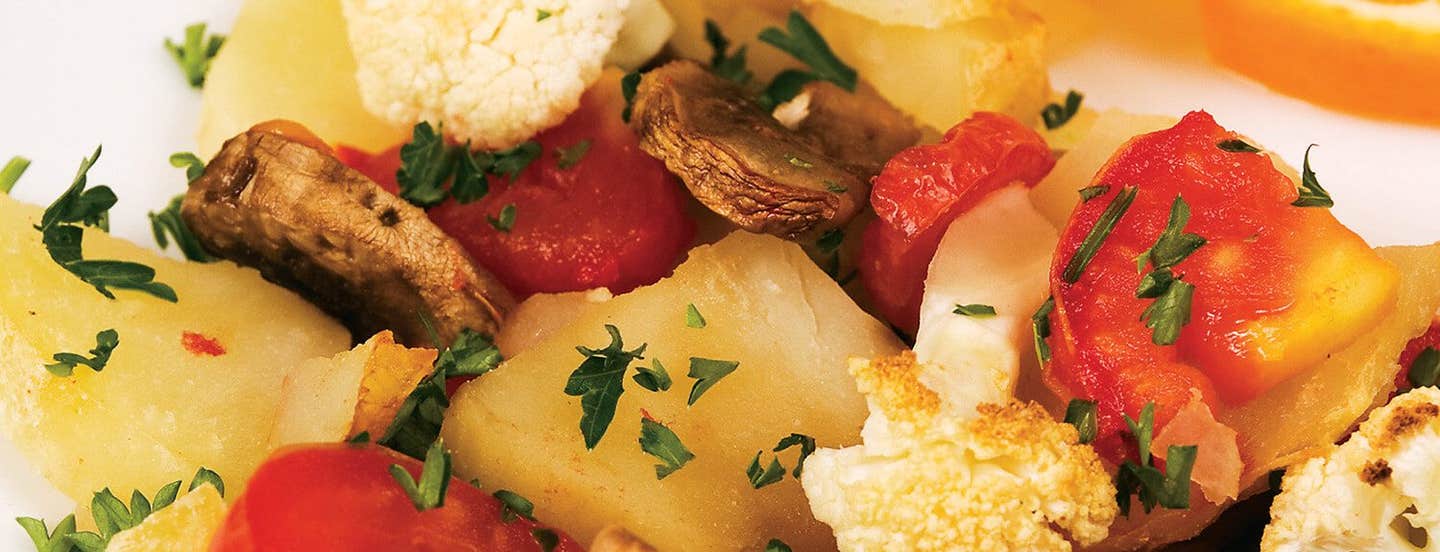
(638, 275)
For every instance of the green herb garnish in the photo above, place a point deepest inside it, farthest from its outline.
(1311, 194)
(662, 443)
(569, 157)
(777, 545)
(768, 475)
(1056, 115)
(1170, 489)
(654, 378)
(417, 423)
(11, 173)
(1425, 370)
(807, 447)
(546, 539)
(801, 40)
(1236, 145)
(105, 343)
(975, 310)
(510, 162)
(599, 381)
(541, 15)
(195, 53)
(1091, 192)
(832, 187)
(628, 85)
(429, 491)
(1082, 414)
(194, 167)
(513, 506)
(506, 219)
(1040, 328)
(1093, 240)
(425, 162)
(707, 372)
(784, 87)
(830, 241)
(111, 516)
(472, 354)
(1171, 308)
(168, 221)
(798, 162)
(693, 319)
(723, 63)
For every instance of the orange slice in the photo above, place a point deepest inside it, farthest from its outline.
(1374, 57)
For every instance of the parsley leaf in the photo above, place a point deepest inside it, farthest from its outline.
(975, 310)
(46, 540)
(1056, 115)
(569, 157)
(655, 378)
(807, 447)
(707, 372)
(79, 205)
(1082, 414)
(805, 44)
(599, 381)
(192, 164)
(506, 219)
(662, 443)
(105, 343)
(1170, 489)
(417, 423)
(168, 221)
(1040, 328)
(206, 476)
(11, 173)
(1096, 237)
(784, 87)
(111, 516)
(425, 162)
(1091, 192)
(728, 66)
(1169, 313)
(628, 85)
(1171, 308)
(471, 168)
(1174, 244)
(830, 241)
(510, 162)
(693, 319)
(195, 53)
(1236, 145)
(1311, 194)
(1425, 370)
(513, 506)
(429, 491)
(472, 354)
(546, 539)
(777, 545)
(832, 187)
(769, 475)
(798, 162)
(541, 15)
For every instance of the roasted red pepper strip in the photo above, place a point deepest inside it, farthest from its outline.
(920, 192)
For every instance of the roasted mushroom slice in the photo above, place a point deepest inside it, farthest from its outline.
(859, 127)
(310, 223)
(737, 159)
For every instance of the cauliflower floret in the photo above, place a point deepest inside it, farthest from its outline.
(1350, 499)
(494, 72)
(932, 477)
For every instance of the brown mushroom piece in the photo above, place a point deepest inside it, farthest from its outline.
(311, 224)
(742, 163)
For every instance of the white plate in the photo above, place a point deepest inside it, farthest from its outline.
(82, 72)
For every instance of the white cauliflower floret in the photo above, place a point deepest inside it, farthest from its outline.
(931, 477)
(1350, 499)
(494, 72)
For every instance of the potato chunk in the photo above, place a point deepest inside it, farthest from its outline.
(767, 306)
(158, 408)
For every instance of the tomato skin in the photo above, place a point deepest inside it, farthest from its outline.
(616, 219)
(1429, 339)
(924, 188)
(1250, 282)
(342, 497)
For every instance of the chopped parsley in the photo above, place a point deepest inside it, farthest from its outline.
(362, 438)
(1311, 194)
(693, 319)
(111, 516)
(1091, 192)
(505, 221)
(729, 66)
(1056, 115)
(510, 162)
(541, 15)
(599, 381)
(628, 85)
(62, 231)
(662, 443)
(1169, 489)
(204, 476)
(777, 545)
(105, 343)
(707, 372)
(1236, 145)
(654, 378)
(807, 447)
(834, 188)
(798, 162)
(786, 85)
(975, 310)
(1425, 370)
(11, 173)
(194, 167)
(760, 477)
(1082, 414)
(1096, 237)
(1040, 328)
(195, 53)
(565, 158)
(803, 42)
(546, 539)
(1171, 308)
(830, 241)
(472, 354)
(513, 506)
(427, 163)
(417, 423)
(168, 221)
(429, 492)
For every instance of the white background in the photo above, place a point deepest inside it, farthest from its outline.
(76, 73)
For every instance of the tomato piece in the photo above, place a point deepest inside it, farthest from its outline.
(615, 219)
(920, 192)
(1277, 287)
(342, 497)
(1430, 339)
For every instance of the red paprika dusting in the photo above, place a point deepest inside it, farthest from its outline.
(200, 345)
